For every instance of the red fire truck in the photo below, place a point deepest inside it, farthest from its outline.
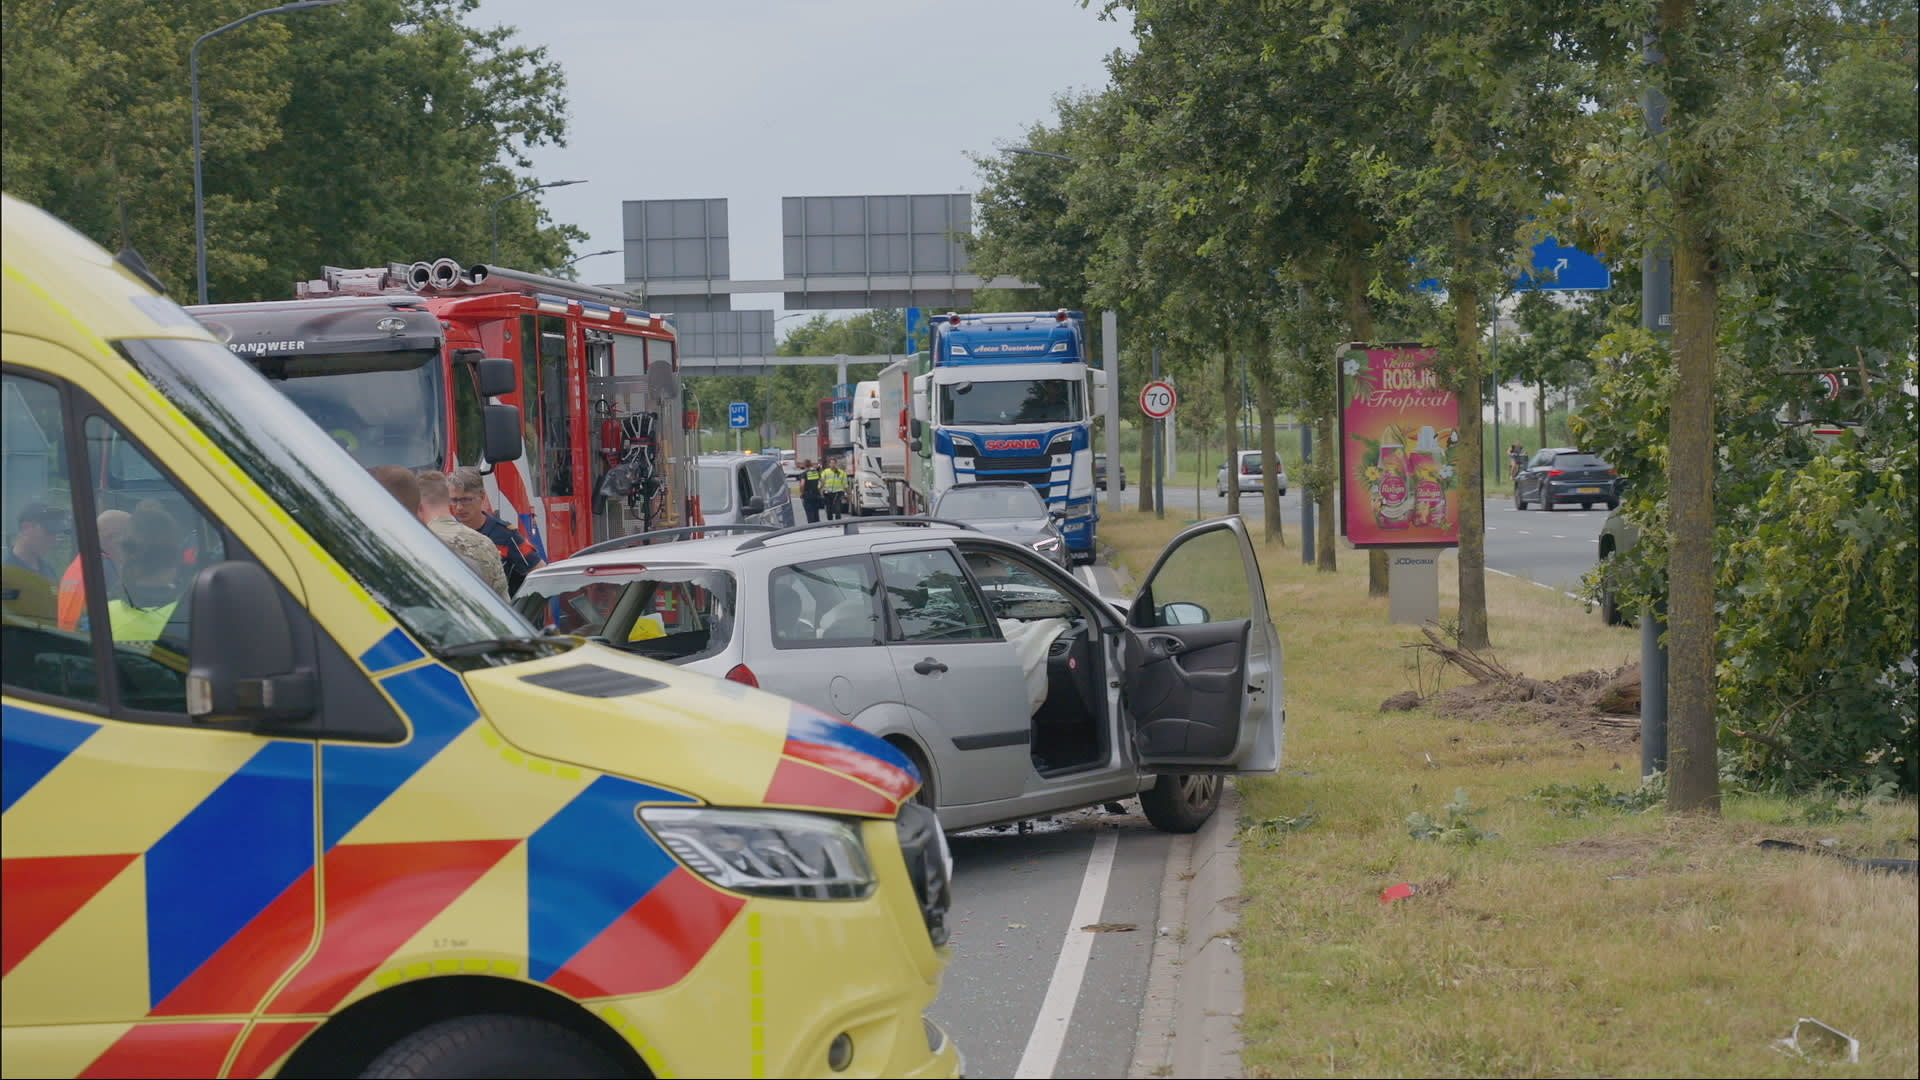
(392, 361)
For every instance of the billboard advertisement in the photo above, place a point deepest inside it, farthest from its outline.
(1399, 427)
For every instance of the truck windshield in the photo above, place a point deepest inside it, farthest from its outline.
(385, 417)
(1015, 401)
(371, 536)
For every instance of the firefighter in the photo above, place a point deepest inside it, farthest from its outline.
(833, 484)
(810, 497)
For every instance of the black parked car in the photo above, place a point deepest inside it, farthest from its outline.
(1565, 475)
(1100, 473)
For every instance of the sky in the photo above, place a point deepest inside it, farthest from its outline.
(756, 100)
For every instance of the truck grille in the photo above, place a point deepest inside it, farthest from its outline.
(1020, 463)
(924, 847)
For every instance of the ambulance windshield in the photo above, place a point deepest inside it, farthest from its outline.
(345, 510)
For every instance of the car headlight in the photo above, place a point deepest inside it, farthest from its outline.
(1047, 543)
(767, 852)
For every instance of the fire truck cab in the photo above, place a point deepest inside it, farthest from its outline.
(395, 363)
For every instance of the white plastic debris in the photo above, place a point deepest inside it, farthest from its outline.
(1811, 1036)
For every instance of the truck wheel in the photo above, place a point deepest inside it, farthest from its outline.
(494, 1045)
(1181, 804)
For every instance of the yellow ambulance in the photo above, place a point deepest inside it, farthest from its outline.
(289, 792)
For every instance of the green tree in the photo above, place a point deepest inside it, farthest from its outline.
(374, 131)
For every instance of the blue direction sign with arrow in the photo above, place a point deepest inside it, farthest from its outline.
(1564, 269)
(737, 415)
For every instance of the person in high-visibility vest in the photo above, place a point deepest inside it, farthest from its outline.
(833, 484)
(810, 496)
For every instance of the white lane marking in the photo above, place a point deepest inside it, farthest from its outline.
(1530, 581)
(1050, 1029)
(1558, 536)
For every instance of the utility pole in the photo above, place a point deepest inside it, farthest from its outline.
(1656, 316)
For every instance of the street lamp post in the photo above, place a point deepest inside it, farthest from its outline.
(589, 255)
(493, 212)
(193, 81)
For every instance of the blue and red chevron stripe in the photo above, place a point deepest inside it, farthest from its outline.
(832, 764)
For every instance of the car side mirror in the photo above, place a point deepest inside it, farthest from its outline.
(1181, 613)
(1056, 516)
(244, 661)
(916, 429)
(493, 376)
(755, 505)
(500, 433)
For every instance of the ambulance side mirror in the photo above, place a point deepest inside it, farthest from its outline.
(245, 661)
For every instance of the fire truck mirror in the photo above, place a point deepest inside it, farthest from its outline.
(502, 428)
(493, 375)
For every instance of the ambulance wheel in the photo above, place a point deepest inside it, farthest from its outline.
(494, 1046)
(1181, 804)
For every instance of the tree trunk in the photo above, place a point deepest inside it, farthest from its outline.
(1468, 460)
(1230, 397)
(1692, 766)
(1360, 318)
(1541, 413)
(1269, 453)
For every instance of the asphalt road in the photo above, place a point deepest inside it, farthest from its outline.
(1551, 548)
(1015, 895)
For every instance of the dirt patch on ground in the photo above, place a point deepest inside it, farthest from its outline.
(1596, 708)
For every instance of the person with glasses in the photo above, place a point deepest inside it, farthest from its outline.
(468, 502)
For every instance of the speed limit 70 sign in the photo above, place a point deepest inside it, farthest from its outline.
(1157, 400)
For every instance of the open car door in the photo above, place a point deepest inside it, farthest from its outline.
(1203, 682)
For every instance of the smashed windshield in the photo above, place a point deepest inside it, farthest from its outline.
(347, 512)
(1015, 401)
(390, 417)
(676, 615)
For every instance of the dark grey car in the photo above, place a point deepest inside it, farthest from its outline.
(1010, 510)
(1561, 475)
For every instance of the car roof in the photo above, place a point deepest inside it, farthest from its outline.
(718, 550)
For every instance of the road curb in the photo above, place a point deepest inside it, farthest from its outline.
(1190, 1020)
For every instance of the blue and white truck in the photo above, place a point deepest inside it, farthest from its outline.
(1008, 396)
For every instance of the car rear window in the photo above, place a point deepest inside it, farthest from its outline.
(668, 614)
(1578, 461)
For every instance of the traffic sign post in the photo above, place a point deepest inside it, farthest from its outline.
(1158, 400)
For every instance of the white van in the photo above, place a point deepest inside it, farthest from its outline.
(743, 489)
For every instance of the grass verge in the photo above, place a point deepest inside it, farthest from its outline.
(1614, 942)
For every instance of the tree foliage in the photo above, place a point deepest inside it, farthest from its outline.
(374, 131)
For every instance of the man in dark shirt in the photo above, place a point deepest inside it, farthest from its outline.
(518, 556)
(811, 496)
(40, 525)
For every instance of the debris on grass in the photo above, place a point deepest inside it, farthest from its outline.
(1398, 892)
(1810, 1036)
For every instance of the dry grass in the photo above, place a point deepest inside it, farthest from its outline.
(1611, 944)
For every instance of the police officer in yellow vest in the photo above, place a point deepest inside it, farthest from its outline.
(147, 607)
(833, 484)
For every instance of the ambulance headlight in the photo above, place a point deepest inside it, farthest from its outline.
(767, 852)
